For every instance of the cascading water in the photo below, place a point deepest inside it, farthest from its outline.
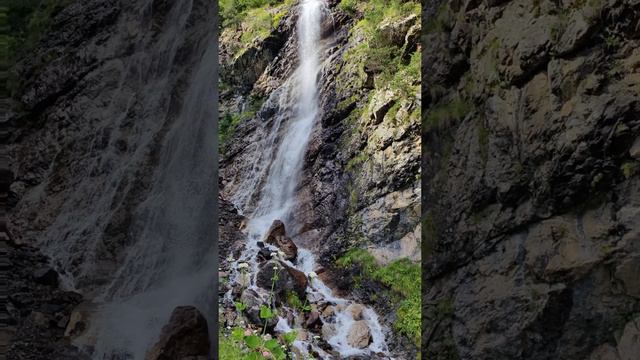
(171, 259)
(284, 160)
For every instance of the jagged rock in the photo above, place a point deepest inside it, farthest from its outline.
(288, 279)
(252, 300)
(328, 311)
(313, 319)
(184, 337)
(359, 335)
(264, 254)
(277, 236)
(395, 30)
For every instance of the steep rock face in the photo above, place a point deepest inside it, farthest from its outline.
(89, 144)
(112, 148)
(532, 199)
(361, 168)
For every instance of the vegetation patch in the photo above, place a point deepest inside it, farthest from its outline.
(229, 121)
(255, 19)
(402, 277)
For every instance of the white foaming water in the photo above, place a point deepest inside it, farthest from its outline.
(277, 195)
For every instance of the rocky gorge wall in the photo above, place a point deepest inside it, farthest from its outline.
(531, 150)
(112, 157)
(360, 184)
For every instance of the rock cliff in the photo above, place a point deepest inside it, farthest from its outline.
(112, 149)
(532, 195)
(360, 186)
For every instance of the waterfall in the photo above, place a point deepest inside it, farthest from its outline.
(171, 261)
(282, 171)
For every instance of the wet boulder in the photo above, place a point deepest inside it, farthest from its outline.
(356, 311)
(287, 278)
(252, 301)
(277, 236)
(359, 335)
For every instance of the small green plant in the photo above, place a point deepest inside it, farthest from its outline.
(240, 306)
(248, 344)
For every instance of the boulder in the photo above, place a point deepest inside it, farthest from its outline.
(252, 300)
(185, 336)
(356, 311)
(277, 236)
(288, 279)
(313, 320)
(359, 335)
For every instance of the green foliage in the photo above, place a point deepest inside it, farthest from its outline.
(379, 53)
(265, 312)
(240, 306)
(229, 121)
(403, 277)
(290, 337)
(349, 6)
(409, 318)
(24, 23)
(229, 349)
(233, 11)
(258, 25)
(248, 344)
(357, 160)
(360, 257)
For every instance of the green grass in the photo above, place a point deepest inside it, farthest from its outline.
(402, 277)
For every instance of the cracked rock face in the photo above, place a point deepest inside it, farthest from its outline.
(532, 195)
(107, 132)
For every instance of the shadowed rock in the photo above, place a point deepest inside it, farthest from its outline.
(186, 336)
